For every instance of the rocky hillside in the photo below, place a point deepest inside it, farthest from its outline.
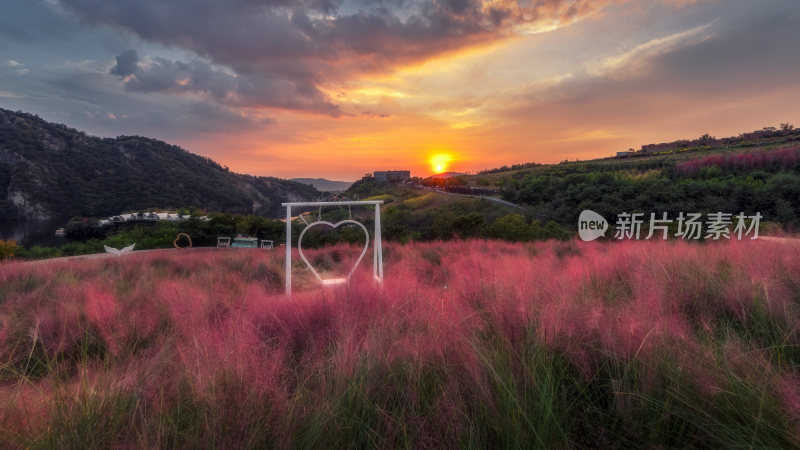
(50, 170)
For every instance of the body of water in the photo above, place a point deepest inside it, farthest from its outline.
(30, 233)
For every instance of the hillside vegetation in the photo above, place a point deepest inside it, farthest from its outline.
(49, 170)
(754, 172)
(411, 213)
(765, 180)
(468, 344)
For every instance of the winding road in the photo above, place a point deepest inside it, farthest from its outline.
(483, 197)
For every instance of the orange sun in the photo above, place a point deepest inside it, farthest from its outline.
(439, 162)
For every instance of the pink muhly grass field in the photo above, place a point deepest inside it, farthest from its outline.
(470, 344)
(781, 158)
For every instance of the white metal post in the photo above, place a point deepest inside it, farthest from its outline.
(378, 259)
(288, 250)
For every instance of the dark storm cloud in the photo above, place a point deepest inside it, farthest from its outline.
(224, 87)
(283, 52)
(127, 63)
(93, 102)
(164, 75)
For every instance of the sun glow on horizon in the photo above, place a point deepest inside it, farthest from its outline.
(439, 162)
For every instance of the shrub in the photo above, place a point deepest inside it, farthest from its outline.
(511, 227)
(8, 249)
(421, 201)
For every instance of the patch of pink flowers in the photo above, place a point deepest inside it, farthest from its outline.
(781, 158)
(216, 326)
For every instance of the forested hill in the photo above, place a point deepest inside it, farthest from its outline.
(50, 170)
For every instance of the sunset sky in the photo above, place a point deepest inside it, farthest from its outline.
(338, 88)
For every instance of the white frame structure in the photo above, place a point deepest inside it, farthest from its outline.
(377, 248)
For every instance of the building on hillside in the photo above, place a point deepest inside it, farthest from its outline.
(392, 175)
(172, 217)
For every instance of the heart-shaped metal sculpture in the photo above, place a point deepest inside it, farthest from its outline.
(177, 239)
(332, 281)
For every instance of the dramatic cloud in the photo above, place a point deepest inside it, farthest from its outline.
(127, 64)
(222, 86)
(338, 88)
(284, 54)
(634, 62)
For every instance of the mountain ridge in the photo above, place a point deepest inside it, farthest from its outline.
(325, 185)
(50, 170)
